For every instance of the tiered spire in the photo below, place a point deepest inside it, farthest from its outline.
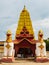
(25, 20)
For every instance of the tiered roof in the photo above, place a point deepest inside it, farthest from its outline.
(24, 18)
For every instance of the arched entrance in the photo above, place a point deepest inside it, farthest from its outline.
(24, 52)
(24, 49)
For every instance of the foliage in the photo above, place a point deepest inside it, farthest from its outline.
(47, 44)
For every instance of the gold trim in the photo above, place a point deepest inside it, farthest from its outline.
(41, 46)
(8, 46)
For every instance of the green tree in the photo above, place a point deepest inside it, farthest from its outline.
(47, 44)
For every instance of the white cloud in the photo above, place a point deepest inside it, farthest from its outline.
(42, 24)
(10, 11)
(13, 28)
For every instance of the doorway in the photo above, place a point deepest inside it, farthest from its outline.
(24, 52)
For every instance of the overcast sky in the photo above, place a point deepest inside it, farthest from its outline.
(10, 12)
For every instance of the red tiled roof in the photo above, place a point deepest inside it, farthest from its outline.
(30, 40)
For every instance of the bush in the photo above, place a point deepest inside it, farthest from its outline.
(47, 45)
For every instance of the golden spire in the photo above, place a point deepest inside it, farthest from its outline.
(40, 32)
(9, 37)
(9, 32)
(25, 20)
(40, 36)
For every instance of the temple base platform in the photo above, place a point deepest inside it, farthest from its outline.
(39, 59)
(7, 60)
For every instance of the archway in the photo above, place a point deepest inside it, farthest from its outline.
(24, 52)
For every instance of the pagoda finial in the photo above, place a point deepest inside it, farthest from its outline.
(40, 35)
(9, 32)
(24, 7)
(9, 36)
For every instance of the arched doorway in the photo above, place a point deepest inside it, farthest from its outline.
(24, 52)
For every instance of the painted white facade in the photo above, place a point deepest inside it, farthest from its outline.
(10, 51)
(40, 51)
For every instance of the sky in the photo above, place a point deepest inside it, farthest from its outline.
(10, 11)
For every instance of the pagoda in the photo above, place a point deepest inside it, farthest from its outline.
(24, 43)
(24, 24)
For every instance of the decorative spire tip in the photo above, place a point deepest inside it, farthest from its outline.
(24, 7)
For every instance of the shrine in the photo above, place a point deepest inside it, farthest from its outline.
(24, 43)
